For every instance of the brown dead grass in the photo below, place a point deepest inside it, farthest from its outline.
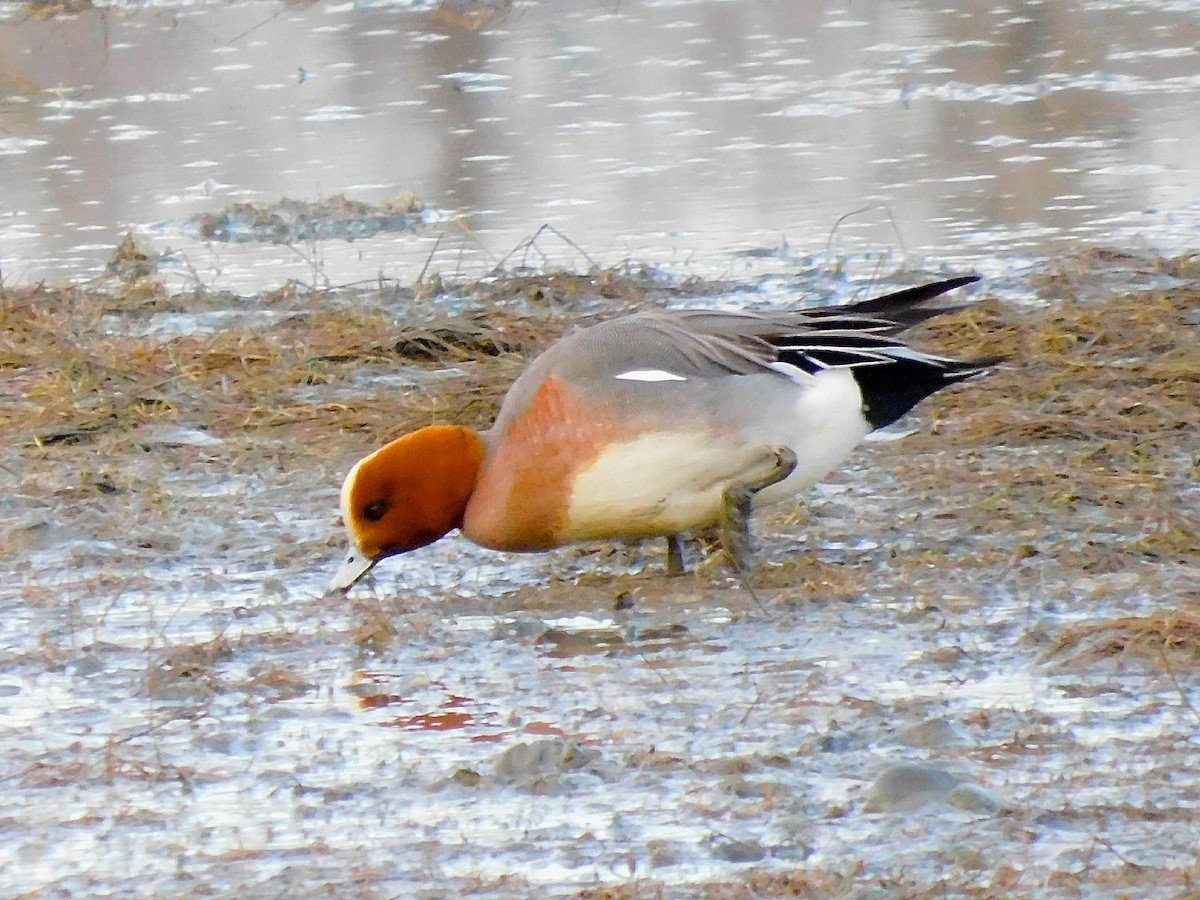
(1119, 376)
(1082, 448)
(189, 670)
(804, 884)
(69, 382)
(48, 9)
(1168, 637)
(990, 882)
(73, 375)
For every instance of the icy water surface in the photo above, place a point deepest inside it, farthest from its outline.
(683, 133)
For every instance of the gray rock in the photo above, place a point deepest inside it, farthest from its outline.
(932, 734)
(526, 763)
(85, 666)
(663, 854)
(739, 851)
(973, 798)
(909, 786)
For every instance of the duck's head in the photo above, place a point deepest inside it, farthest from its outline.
(405, 495)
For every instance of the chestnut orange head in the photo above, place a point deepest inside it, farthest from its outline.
(407, 494)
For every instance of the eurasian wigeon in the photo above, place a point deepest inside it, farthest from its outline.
(657, 423)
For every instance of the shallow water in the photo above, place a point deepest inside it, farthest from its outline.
(689, 134)
(704, 735)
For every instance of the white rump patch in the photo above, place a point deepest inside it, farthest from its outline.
(650, 375)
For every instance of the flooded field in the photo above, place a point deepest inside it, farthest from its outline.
(244, 243)
(972, 669)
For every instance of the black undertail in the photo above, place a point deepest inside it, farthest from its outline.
(892, 390)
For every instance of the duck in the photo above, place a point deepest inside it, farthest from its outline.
(655, 424)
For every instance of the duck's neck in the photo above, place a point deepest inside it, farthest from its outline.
(452, 458)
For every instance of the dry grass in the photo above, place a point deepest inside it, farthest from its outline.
(1119, 377)
(77, 368)
(1085, 441)
(1168, 637)
(991, 883)
(47, 9)
(288, 221)
(68, 381)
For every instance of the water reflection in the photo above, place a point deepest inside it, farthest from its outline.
(669, 132)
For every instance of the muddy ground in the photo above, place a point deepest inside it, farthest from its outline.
(972, 673)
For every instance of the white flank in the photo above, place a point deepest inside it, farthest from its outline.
(649, 375)
(660, 483)
(822, 425)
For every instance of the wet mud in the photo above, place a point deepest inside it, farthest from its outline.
(968, 666)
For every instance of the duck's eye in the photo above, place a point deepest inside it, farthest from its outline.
(374, 510)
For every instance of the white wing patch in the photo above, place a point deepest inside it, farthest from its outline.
(649, 375)
(905, 352)
(795, 373)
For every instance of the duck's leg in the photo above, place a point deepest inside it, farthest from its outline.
(676, 564)
(738, 503)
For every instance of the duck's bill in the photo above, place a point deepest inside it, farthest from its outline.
(354, 568)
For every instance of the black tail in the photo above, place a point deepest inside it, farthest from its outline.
(889, 391)
(895, 312)
(904, 307)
